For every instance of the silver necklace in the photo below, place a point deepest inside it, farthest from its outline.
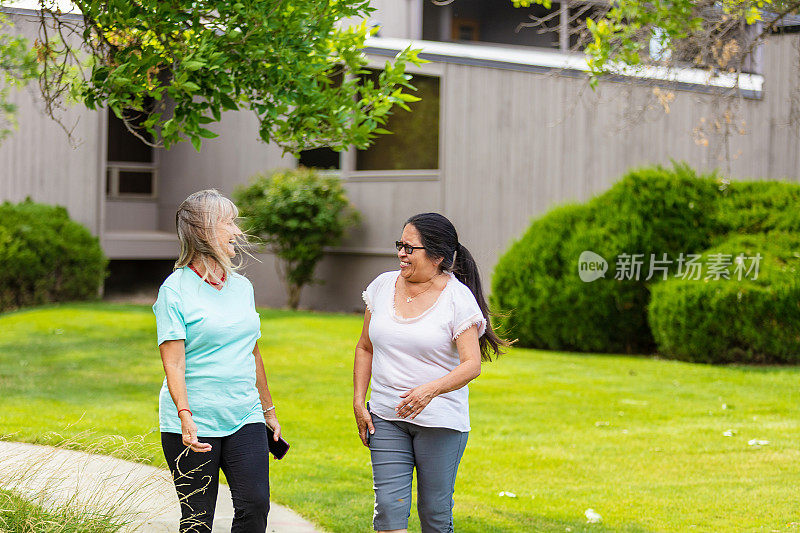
(410, 298)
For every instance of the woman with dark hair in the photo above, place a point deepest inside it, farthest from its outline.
(426, 330)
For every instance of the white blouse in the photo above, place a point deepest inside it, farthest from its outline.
(408, 352)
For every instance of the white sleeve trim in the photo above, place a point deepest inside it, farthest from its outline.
(365, 297)
(474, 320)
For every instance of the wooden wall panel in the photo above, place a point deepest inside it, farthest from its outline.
(518, 143)
(38, 160)
(384, 207)
(222, 163)
(398, 18)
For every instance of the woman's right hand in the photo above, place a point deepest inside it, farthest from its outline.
(189, 434)
(364, 422)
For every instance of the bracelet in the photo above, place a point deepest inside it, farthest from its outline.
(190, 412)
(268, 409)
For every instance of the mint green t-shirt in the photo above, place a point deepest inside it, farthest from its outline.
(220, 329)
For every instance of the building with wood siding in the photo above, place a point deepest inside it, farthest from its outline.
(509, 130)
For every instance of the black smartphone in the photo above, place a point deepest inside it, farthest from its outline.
(277, 448)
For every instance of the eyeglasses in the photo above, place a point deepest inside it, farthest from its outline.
(407, 247)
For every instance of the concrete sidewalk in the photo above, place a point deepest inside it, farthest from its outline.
(143, 494)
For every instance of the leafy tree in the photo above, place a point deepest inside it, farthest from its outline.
(708, 34)
(17, 65)
(184, 62)
(717, 35)
(297, 213)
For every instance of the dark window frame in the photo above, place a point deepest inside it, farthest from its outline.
(356, 162)
(115, 145)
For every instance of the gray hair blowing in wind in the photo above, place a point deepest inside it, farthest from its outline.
(196, 222)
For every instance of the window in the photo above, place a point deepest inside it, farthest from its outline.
(493, 22)
(465, 29)
(324, 158)
(320, 158)
(130, 163)
(414, 143)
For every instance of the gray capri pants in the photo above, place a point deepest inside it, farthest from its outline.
(396, 448)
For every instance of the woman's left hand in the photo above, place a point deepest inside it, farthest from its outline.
(415, 400)
(272, 421)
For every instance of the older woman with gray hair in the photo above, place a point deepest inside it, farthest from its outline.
(215, 403)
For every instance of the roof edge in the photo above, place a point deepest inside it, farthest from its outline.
(575, 65)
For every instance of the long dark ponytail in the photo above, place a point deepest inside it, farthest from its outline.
(440, 239)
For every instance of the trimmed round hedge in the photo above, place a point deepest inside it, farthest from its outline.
(536, 287)
(723, 321)
(748, 207)
(543, 302)
(46, 256)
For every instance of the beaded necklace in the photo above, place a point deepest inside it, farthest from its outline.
(214, 283)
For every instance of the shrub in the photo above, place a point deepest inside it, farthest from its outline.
(528, 281)
(721, 321)
(46, 256)
(759, 206)
(536, 283)
(298, 213)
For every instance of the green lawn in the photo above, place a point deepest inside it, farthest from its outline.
(638, 440)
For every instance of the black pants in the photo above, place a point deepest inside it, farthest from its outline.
(243, 458)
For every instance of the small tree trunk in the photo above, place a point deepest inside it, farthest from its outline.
(294, 295)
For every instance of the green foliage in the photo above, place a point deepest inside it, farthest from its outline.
(672, 212)
(527, 3)
(46, 256)
(529, 282)
(272, 57)
(661, 209)
(298, 213)
(622, 35)
(17, 67)
(759, 207)
(736, 320)
(19, 515)
(536, 283)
